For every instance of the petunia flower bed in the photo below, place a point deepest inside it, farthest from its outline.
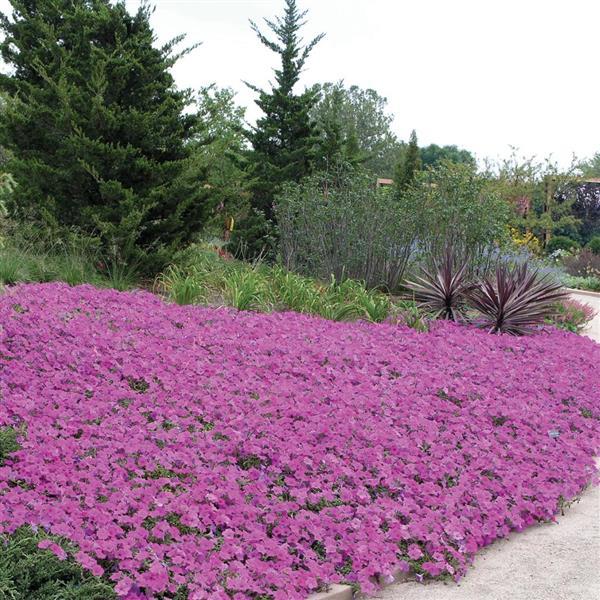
(207, 453)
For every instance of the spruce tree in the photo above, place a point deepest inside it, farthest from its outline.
(284, 139)
(409, 165)
(96, 128)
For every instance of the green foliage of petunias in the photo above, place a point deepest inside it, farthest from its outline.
(8, 442)
(28, 572)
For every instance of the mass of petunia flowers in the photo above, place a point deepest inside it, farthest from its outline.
(217, 454)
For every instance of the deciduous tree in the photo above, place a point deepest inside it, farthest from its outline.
(354, 124)
(433, 154)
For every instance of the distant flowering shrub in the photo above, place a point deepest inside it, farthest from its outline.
(225, 454)
(572, 315)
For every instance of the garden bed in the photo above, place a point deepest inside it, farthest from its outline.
(212, 453)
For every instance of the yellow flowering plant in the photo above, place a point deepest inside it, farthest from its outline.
(526, 240)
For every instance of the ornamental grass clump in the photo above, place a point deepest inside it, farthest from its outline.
(181, 285)
(169, 451)
(208, 279)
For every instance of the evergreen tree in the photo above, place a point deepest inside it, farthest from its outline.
(96, 128)
(284, 139)
(409, 165)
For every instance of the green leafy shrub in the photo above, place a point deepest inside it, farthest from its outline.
(455, 206)
(338, 223)
(594, 245)
(561, 242)
(581, 283)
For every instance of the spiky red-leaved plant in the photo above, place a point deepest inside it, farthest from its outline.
(513, 300)
(442, 291)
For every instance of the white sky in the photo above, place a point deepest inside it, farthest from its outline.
(482, 74)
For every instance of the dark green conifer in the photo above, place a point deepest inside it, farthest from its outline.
(409, 165)
(284, 138)
(95, 127)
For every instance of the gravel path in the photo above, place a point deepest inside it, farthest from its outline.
(548, 562)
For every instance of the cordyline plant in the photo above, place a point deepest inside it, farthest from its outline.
(513, 300)
(442, 291)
